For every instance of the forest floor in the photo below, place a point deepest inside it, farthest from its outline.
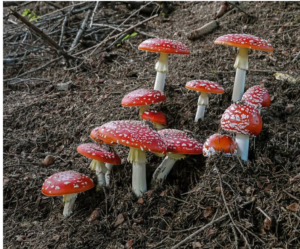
(262, 195)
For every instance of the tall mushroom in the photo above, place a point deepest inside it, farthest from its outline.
(244, 120)
(143, 98)
(179, 144)
(244, 43)
(67, 184)
(157, 118)
(100, 156)
(257, 96)
(139, 138)
(218, 143)
(164, 47)
(204, 87)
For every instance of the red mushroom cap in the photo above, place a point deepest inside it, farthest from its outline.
(258, 96)
(204, 86)
(65, 183)
(164, 46)
(155, 116)
(134, 134)
(143, 97)
(218, 143)
(97, 152)
(179, 142)
(245, 41)
(94, 135)
(242, 118)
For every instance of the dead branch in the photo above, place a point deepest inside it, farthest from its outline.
(41, 34)
(204, 30)
(80, 31)
(94, 11)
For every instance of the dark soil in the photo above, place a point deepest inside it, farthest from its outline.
(41, 121)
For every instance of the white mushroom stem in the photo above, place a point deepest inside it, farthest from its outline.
(138, 159)
(158, 126)
(109, 167)
(202, 103)
(243, 146)
(241, 65)
(143, 109)
(161, 68)
(100, 169)
(162, 171)
(69, 201)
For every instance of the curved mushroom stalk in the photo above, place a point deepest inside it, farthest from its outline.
(242, 142)
(202, 103)
(143, 109)
(138, 159)
(69, 201)
(109, 167)
(161, 68)
(100, 169)
(162, 171)
(158, 126)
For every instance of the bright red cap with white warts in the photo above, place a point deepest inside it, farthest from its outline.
(218, 143)
(134, 134)
(164, 46)
(143, 97)
(244, 41)
(242, 118)
(99, 153)
(94, 135)
(155, 116)
(204, 86)
(258, 96)
(179, 142)
(65, 183)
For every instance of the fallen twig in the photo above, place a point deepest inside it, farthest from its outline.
(206, 29)
(93, 14)
(41, 34)
(80, 31)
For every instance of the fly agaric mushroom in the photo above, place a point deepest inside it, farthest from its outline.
(143, 98)
(164, 47)
(257, 96)
(158, 118)
(218, 143)
(244, 43)
(140, 138)
(100, 156)
(204, 87)
(179, 144)
(245, 120)
(67, 184)
(109, 166)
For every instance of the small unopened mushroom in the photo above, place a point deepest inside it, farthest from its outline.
(157, 118)
(218, 143)
(67, 184)
(257, 96)
(244, 120)
(179, 144)
(204, 87)
(100, 156)
(164, 47)
(244, 43)
(143, 98)
(140, 138)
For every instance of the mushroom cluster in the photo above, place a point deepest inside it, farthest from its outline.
(241, 118)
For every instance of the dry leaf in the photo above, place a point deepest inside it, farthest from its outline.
(20, 238)
(140, 201)
(129, 244)
(210, 232)
(5, 181)
(163, 193)
(49, 160)
(293, 207)
(196, 245)
(285, 77)
(94, 216)
(120, 219)
(295, 178)
(208, 211)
